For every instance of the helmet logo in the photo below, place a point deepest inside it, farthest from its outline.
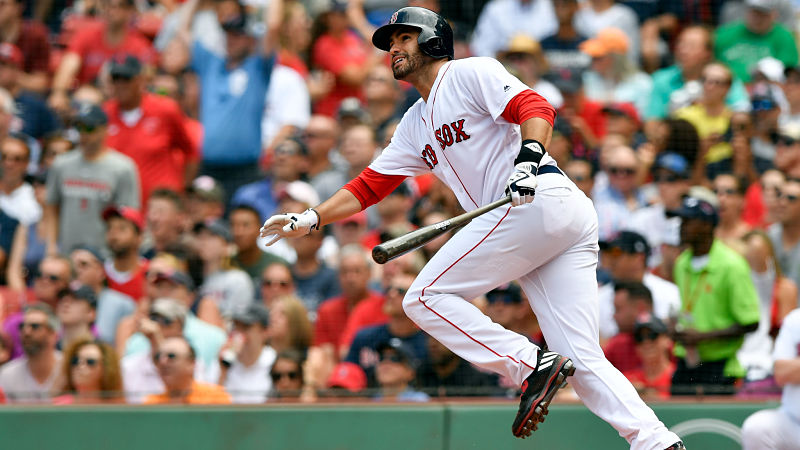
(394, 18)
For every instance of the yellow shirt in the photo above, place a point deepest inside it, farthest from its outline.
(200, 394)
(707, 126)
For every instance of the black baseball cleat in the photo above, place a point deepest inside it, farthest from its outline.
(676, 446)
(539, 389)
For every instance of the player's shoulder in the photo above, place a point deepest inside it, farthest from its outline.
(474, 63)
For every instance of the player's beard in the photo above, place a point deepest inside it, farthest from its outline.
(414, 62)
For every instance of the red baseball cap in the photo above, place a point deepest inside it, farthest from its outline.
(10, 53)
(349, 376)
(126, 212)
(624, 109)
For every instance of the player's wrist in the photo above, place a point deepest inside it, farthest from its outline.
(531, 151)
(319, 219)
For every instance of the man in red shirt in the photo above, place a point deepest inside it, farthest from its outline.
(31, 38)
(92, 46)
(632, 299)
(149, 129)
(125, 270)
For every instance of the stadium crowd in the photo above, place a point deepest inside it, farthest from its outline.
(144, 142)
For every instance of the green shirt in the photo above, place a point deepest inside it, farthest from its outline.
(741, 49)
(670, 79)
(716, 297)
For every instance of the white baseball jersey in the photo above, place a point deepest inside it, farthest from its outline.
(459, 133)
(787, 346)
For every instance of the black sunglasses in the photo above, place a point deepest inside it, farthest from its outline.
(728, 191)
(622, 171)
(646, 335)
(789, 197)
(34, 326)
(271, 283)
(293, 375)
(502, 298)
(161, 320)
(50, 277)
(17, 158)
(76, 361)
(667, 178)
(395, 289)
(83, 128)
(393, 357)
(171, 356)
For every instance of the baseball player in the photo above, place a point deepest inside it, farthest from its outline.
(482, 132)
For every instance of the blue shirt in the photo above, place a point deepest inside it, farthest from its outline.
(257, 195)
(231, 105)
(38, 120)
(363, 350)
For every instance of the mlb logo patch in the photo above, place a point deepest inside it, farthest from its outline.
(394, 18)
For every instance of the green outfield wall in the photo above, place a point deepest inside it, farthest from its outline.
(432, 426)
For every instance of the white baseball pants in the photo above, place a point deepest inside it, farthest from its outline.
(550, 246)
(770, 429)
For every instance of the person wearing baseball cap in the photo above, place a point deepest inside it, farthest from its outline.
(76, 309)
(245, 360)
(623, 119)
(126, 271)
(718, 297)
(654, 378)
(396, 371)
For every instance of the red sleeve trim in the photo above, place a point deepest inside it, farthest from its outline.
(370, 186)
(527, 105)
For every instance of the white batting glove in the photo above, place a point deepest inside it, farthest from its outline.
(521, 185)
(290, 225)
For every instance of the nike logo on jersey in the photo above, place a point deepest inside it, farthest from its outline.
(453, 133)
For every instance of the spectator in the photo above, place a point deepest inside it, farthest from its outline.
(165, 222)
(82, 184)
(622, 120)
(332, 316)
(31, 38)
(352, 230)
(233, 89)
(741, 44)
(287, 374)
(777, 428)
(508, 307)
(175, 361)
(295, 39)
(364, 349)
(230, 287)
(290, 328)
(17, 199)
(38, 121)
(785, 234)
(396, 371)
(777, 297)
(30, 378)
(53, 275)
(791, 89)
(393, 214)
(315, 281)
(91, 374)
(93, 45)
(149, 129)
(358, 147)
(626, 259)
(321, 137)
(500, 20)
(166, 318)
(612, 76)
(621, 197)
(287, 106)
(632, 299)
(447, 375)
(731, 228)
(382, 95)
(761, 200)
(205, 201)
(654, 379)
(276, 282)
(742, 163)
(76, 311)
(524, 57)
(346, 380)
(598, 15)
(245, 227)
(787, 151)
(125, 270)
(112, 306)
(719, 305)
(339, 51)
(246, 360)
(561, 48)
(581, 172)
(671, 85)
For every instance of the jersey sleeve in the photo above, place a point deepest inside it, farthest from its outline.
(489, 84)
(787, 344)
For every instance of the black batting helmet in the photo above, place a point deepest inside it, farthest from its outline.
(435, 37)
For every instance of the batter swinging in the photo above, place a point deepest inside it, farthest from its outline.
(483, 133)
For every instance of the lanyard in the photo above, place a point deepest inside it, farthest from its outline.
(695, 293)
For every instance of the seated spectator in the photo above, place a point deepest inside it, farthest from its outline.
(287, 374)
(352, 230)
(613, 76)
(731, 228)
(276, 282)
(622, 119)
(621, 196)
(246, 359)
(777, 428)
(631, 300)
(396, 371)
(315, 281)
(654, 378)
(165, 221)
(581, 172)
(166, 319)
(364, 349)
(720, 305)
(785, 234)
(230, 287)
(561, 48)
(91, 374)
(112, 306)
(175, 361)
(332, 316)
(125, 270)
(205, 201)
(245, 227)
(765, 113)
(446, 375)
(76, 311)
(346, 380)
(791, 89)
(31, 378)
(508, 307)
(290, 328)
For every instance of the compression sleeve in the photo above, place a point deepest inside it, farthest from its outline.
(526, 105)
(370, 186)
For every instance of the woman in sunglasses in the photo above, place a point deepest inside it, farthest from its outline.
(90, 373)
(287, 374)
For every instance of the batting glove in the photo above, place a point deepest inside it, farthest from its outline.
(521, 185)
(290, 225)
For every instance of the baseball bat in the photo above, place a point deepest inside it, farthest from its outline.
(398, 246)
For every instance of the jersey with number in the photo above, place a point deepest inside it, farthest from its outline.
(459, 133)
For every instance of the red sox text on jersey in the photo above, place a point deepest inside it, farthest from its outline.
(446, 135)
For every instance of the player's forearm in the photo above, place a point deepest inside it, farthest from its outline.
(341, 205)
(787, 371)
(537, 129)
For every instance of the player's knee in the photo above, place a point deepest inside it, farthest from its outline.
(412, 302)
(757, 430)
